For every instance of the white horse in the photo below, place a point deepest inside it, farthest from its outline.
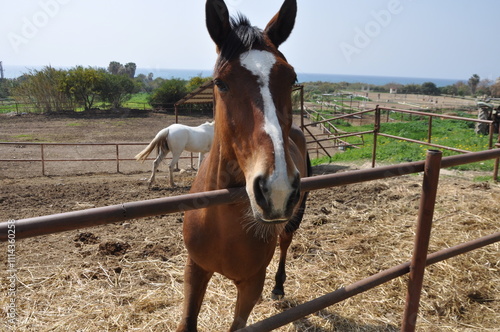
(177, 138)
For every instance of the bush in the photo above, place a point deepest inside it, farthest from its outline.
(116, 89)
(84, 85)
(44, 89)
(169, 92)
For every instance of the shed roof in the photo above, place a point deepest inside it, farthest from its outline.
(205, 94)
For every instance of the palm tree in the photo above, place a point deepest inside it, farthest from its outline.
(473, 82)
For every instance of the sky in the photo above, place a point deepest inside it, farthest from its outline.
(451, 39)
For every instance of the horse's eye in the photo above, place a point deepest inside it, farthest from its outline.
(221, 85)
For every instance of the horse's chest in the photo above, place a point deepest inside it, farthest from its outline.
(225, 247)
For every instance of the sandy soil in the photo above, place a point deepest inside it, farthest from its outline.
(128, 276)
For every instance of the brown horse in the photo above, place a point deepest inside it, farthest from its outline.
(256, 146)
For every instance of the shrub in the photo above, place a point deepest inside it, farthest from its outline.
(169, 92)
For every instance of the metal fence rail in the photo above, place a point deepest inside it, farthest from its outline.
(98, 216)
(310, 307)
(336, 136)
(43, 159)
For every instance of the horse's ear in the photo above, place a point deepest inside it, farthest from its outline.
(281, 25)
(217, 16)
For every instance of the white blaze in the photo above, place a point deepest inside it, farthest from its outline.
(260, 63)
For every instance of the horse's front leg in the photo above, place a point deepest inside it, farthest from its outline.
(249, 292)
(285, 240)
(195, 284)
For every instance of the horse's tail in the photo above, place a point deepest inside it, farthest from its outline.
(159, 142)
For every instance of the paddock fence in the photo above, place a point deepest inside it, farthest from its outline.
(31, 227)
(337, 137)
(114, 154)
(329, 139)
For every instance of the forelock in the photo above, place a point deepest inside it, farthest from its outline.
(243, 37)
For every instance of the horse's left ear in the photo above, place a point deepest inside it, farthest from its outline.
(281, 25)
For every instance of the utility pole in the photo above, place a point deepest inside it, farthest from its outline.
(1, 71)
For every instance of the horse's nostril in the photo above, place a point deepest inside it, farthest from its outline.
(260, 191)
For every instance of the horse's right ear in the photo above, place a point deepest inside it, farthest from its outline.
(217, 16)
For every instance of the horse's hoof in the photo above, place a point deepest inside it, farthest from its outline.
(277, 295)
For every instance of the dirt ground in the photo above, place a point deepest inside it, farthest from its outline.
(128, 276)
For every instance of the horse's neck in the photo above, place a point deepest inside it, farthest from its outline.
(222, 168)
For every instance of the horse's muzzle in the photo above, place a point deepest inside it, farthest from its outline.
(275, 199)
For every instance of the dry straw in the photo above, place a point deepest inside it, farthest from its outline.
(129, 277)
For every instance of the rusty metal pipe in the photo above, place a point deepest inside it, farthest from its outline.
(343, 293)
(442, 116)
(422, 237)
(423, 143)
(99, 216)
(61, 222)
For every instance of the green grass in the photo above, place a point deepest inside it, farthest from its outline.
(7, 108)
(451, 133)
(138, 101)
(23, 138)
(483, 178)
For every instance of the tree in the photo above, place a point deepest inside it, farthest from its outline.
(462, 88)
(449, 90)
(117, 68)
(473, 82)
(5, 85)
(116, 89)
(484, 87)
(429, 88)
(495, 89)
(114, 67)
(44, 89)
(169, 92)
(411, 88)
(196, 82)
(129, 69)
(84, 85)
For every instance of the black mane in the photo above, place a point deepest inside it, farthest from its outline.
(243, 37)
